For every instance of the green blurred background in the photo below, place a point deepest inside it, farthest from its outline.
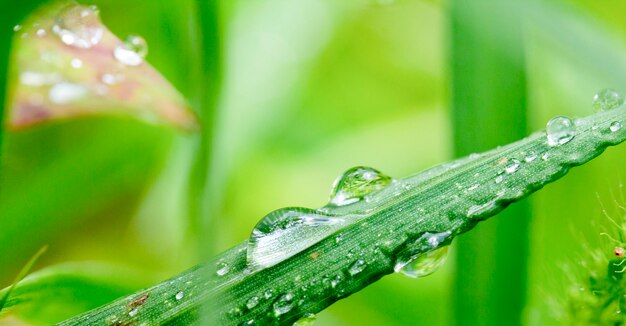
(309, 88)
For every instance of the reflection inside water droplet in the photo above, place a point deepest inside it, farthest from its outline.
(423, 256)
(353, 185)
(615, 126)
(560, 130)
(283, 304)
(132, 52)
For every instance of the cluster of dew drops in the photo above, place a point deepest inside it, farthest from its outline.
(79, 27)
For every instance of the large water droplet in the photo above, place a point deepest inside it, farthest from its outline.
(615, 126)
(286, 232)
(222, 268)
(424, 255)
(355, 184)
(63, 93)
(132, 52)
(78, 26)
(283, 304)
(560, 130)
(179, 295)
(425, 264)
(607, 99)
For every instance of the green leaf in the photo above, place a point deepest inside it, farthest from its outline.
(448, 199)
(74, 287)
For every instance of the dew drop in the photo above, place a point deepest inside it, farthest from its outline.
(425, 264)
(41, 32)
(63, 93)
(222, 269)
(179, 295)
(357, 267)
(607, 99)
(499, 178)
(286, 232)
(78, 26)
(76, 63)
(17, 28)
(111, 78)
(423, 256)
(530, 157)
(252, 302)
(560, 130)
(307, 320)
(268, 294)
(133, 312)
(283, 304)
(132, 52)
(615, 126)
(512, 166)
(355, 184)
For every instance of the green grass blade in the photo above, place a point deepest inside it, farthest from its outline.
(489, 89)
(452, 197)
(20, 276)
(75, 287)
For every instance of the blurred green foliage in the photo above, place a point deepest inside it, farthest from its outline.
(309, 89)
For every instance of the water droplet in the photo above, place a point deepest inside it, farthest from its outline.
(179, 295)
(222, 269)
(78, 26)
(132, 52)
(283, 304)
(560, 130)
(615, 126)
(530, 157)
(545, 156)
(607, 99)
(336, 280)
(133, 312)
(512, 166)
(286, 232)
(41, 32)
(474, 187)
(357, 267)
(424, 255)
(499, 178)
(338, 238)
(355, 184)
(235, 312)
(268, 294)
(63, 93)
(36, 79)
(76, 63)
(252, 302)
(307, 320)
(111, 79)
(425, 264)
(17, 28)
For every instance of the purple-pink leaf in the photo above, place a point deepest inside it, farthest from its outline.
(67, 64)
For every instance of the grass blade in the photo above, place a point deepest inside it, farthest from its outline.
(442, 199)
(488, 74)
(22, 273)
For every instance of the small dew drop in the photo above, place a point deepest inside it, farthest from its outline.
(78, 26)
(283, 304)
(499, 178)
(222, 268)
(76, 63)
(512, 166)
(530, 157)
(307, 320)
(268, 294)
(179, 295)
(17, 28)
(63, 93)
(607, 99)
(41, 32)
(111, 79)
(357, 267)
(560, 130)
(132, 52)
(252, 302)
(615, 126)
(133, 312)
